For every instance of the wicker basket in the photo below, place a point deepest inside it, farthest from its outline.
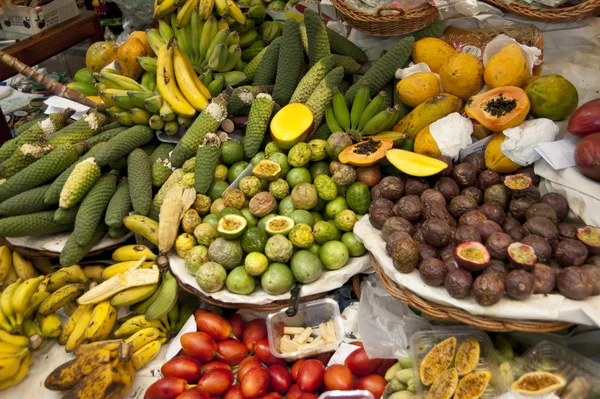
(455, 314)
(356, 280)
(389, 20)
(587, 9)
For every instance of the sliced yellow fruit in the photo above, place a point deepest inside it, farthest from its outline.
(292, 124)
(414, 164)
(467, 356)
(437, 361)
(538, 382)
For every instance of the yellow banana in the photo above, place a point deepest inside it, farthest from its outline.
(135, 324)
(23, 267)
(17, 340)
(30, 329)
(145, 354)
(66, 275)
(167, 85)
(126, 373)
(9, 364)
(185, 13)
(20, 374)
(5, 262)
(112, 345)
(60, 298)
(51, 325)
(43, 265)
(132, 252)
(6, 301)
(35, 302)
(77, 337)
(221, 7)
(102, 322)
(70, 307)
(143, 226)
(122, 267)
(72, 322)
(6, 348)
(165, 8)
(133, 295)
(235, 12)
(43, 287)
(5, 323)
(209, 31)
(144, 336)
(184, 74)
(94, 272)
(22, 295)
(69, 374)
(12, 275)
(205, 8)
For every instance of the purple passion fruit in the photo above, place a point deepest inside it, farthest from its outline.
(540, 246)
(488, 289)
(521, 255)
(570, 252)
(458, 282)
(497, 245)
(518, 284)
(472, 256)
(574, 283)
(544, 279)
(432, 271)
(590, 236)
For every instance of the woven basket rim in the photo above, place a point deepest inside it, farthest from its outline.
(574, 13)
(456, 314)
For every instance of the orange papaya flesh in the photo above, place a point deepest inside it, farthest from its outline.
(499, 109)
(366, 152)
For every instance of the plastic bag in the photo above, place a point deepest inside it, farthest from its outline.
(136, 13)
(452, 8)
(384, 323)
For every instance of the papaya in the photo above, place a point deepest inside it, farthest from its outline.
(433, 52)
(141, 36)
(83, 76)
(425, 144)
(507, 68)
(552, 97)
(499, 109)
(462, 75)
(494, 158)
(418, 88)
(99, 55)
(426, 113)
(366, 152)
(127, 55)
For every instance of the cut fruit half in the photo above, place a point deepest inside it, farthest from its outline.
(292, 124)
(444, 386)
(473, 385)
(538, 382)
(280, 225)
(437, 360)
(365, 153)
(518, 183)
(231, 226)
(522, 255)
(467, 356)
(500, 108)
(414, 164)
(472, 256)
(590, 236)
(267, 170)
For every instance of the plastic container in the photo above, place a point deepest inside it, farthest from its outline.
(555, 358)
(358, 394)
(422, 342)
(310, 314)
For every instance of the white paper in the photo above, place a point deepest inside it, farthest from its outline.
(521, 141)
(342, 352)
(559, 154)
(57, 104)
(538, 307)
(452, 133)
(478, 146)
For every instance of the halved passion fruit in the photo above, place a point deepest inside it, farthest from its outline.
(473, 385)
(414, 164)
(500, 108)
(437, 361)
(538, 382)
(366, 152)
(467, 356)
(231, 226)
(518, 183)
(280, 225)
(267, 170)
(590, 236)
(444, 386)
(522, 255)
(472, 256)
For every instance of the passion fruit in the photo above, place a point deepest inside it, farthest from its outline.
(466, 234)
(472, 256)
(262, 204)
(436, 233)
(477, 159)
(431, 196)
(396, 223)
(487, 179)
(497, 245)
(458, 282)
(473, 385)
(510, 223)
(538, 382)
(426, 251)
(487, 228)
(518, 184)
(540, 246)
(542, 210)
(544, 279)
(493, 211)
(590, 236)
(460, 205)
(445, 385)
(448, 161)
(542, 227)
(418, 236)
(518, 284)
(415, 186)
(464, 174)
(405, 255)
(267, 170)
(518, 207)
(436, 211)
(472, 218)
(447, 187)
(437, 360)
(488, 289)
(558, 203)
(379, 210)
(370, 175)
(375, 192)
(231, 226)
(393, 239)
(570, 252)
(521, 255)
(467, 356)
(593, 260)
(474, 193)
(566, 230)
(574, 283)
(392, 187)
(432, 271)
(516, 233)
(497, 193)
(594, 274)
(279, 225)
(496, 266)
(409, 207)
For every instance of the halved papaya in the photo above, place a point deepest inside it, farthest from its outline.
(291, 124)
(499, 109)
(414, 164)
(366, 152)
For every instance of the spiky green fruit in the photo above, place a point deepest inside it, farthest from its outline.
(105, 136)
(207, 159)
(66, 216)
(323, 94)
(313, 77)
(161, 170)
(27, 202)
(72, 253)
(81, 130)
(267, 68)
(80, 181)
(139, 171)
(123, 143)
(241, 97)
(174, 179)
(318, 42)
(25, 156)
(340, 45)
(162, 151)
(119, 205)
(258, 121)
(92, 208)
(289, 64)
(32, 224)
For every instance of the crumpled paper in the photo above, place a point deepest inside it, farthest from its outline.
(532, 54)
(519, 145)
(452, 133)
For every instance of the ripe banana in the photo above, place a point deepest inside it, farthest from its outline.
(188, 81)
(124, 119)
(143, 225)
(165, 8)
(50, 325)
(145, 354)
(135, 324)
(205, 9)
(126, 374)
(19, 375)
(5, 323)
(133, 295)
(122, 267)
(6, 301)
(113, 345)
(22, 295)
(23, 267)
(12, 276)
(234, 11)
(10, 363)
(66, 275)
(167, 85)
(35, 302)
(138, 97)
(72, 322)
(6, 348)
(185, 13)
(60, 298)
(221, 7)
(16, 340)
(69, 374)
(5, 262)
(77, 337)
(144, 336)
(132, 252)
(167, 298)
(94, 272)
(358, 105)
(102, 322)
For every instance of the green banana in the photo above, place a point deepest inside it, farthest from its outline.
(372, 109)
(167, 298)
(359, 104)
(340, 109)
(331, 120)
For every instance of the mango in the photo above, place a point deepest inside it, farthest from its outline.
(99, 55)
(494, 158)
(462, 75)
(433, 52)
(507, 68)
(418, 88)
(552, 97)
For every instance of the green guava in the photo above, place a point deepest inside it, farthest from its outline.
(303, 216)
(324, 231)
(236, 169)
(299, 155)
(334, 255)
(231, 152)
(336, 206)
(298, 176)
(196, 258)
(279, 249)
(358, 197)
(345, 220)
(326, 188)
(306, 266)
(318, 217)
(216, 189)
(301, 236)
(315, 248)
(317, 149)
(211, 277)
(254, 240)
(355, 247)
(228, 253)
(240, 282)
(277, 279)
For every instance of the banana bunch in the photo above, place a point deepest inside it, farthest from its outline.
(15, 359)
(13, 266)
(366, 117)
(146, 342)
(401, 380)
(100, 370)
(88, 323)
